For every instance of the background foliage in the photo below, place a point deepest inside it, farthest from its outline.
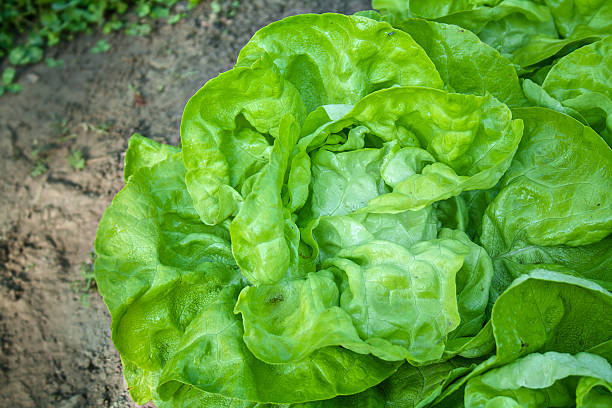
(27, 27)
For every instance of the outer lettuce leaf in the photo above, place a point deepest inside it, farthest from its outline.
(570, 15)
(418, 387)
(555, 203)
(144, 152)
(537, 381)
(466, 64)
(592, 261)
(541, 49)
(506, 25)
(525, 31)
(212, 357)
(402, 9)
(190, 397)
(541, 311)
(581, 83)
(539, 97)
(593, 392)
(154, 253)
(311, 52)
(225, 135)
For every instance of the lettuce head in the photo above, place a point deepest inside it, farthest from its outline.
(372, 211)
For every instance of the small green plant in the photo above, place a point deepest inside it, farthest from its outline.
(86, 282)
(136, 29)
(76, 159)
(101, 46)
(175, 18)
(54, 63)
(113, 25)
(8, 84)
(40, 168)
(160, 12)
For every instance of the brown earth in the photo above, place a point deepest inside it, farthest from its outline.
(55, 348)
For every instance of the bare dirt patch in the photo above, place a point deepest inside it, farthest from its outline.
(55, 348)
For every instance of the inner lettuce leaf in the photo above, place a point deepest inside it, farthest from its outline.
(554, 204)
(432, 145)
(330, 234)
(171, 282)
(265, 239)
(394, 302)
(413, 146)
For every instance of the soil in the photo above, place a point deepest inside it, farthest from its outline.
(55, 347)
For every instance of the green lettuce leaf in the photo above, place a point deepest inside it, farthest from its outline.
(527, 32)
(265, 239)
(538, 381)
(311, 52)
(580, 85)
(144, 152)
(466, 64)
(225, 135)
(212, 357)
(544, 310)
(152, 251)
(452, 213)
(330, 234)
(473, 281)
(436, 145)
(288, 321)
(418, 387)
(554, 205)
(345, 182)
(593, 392)
(170, 283)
